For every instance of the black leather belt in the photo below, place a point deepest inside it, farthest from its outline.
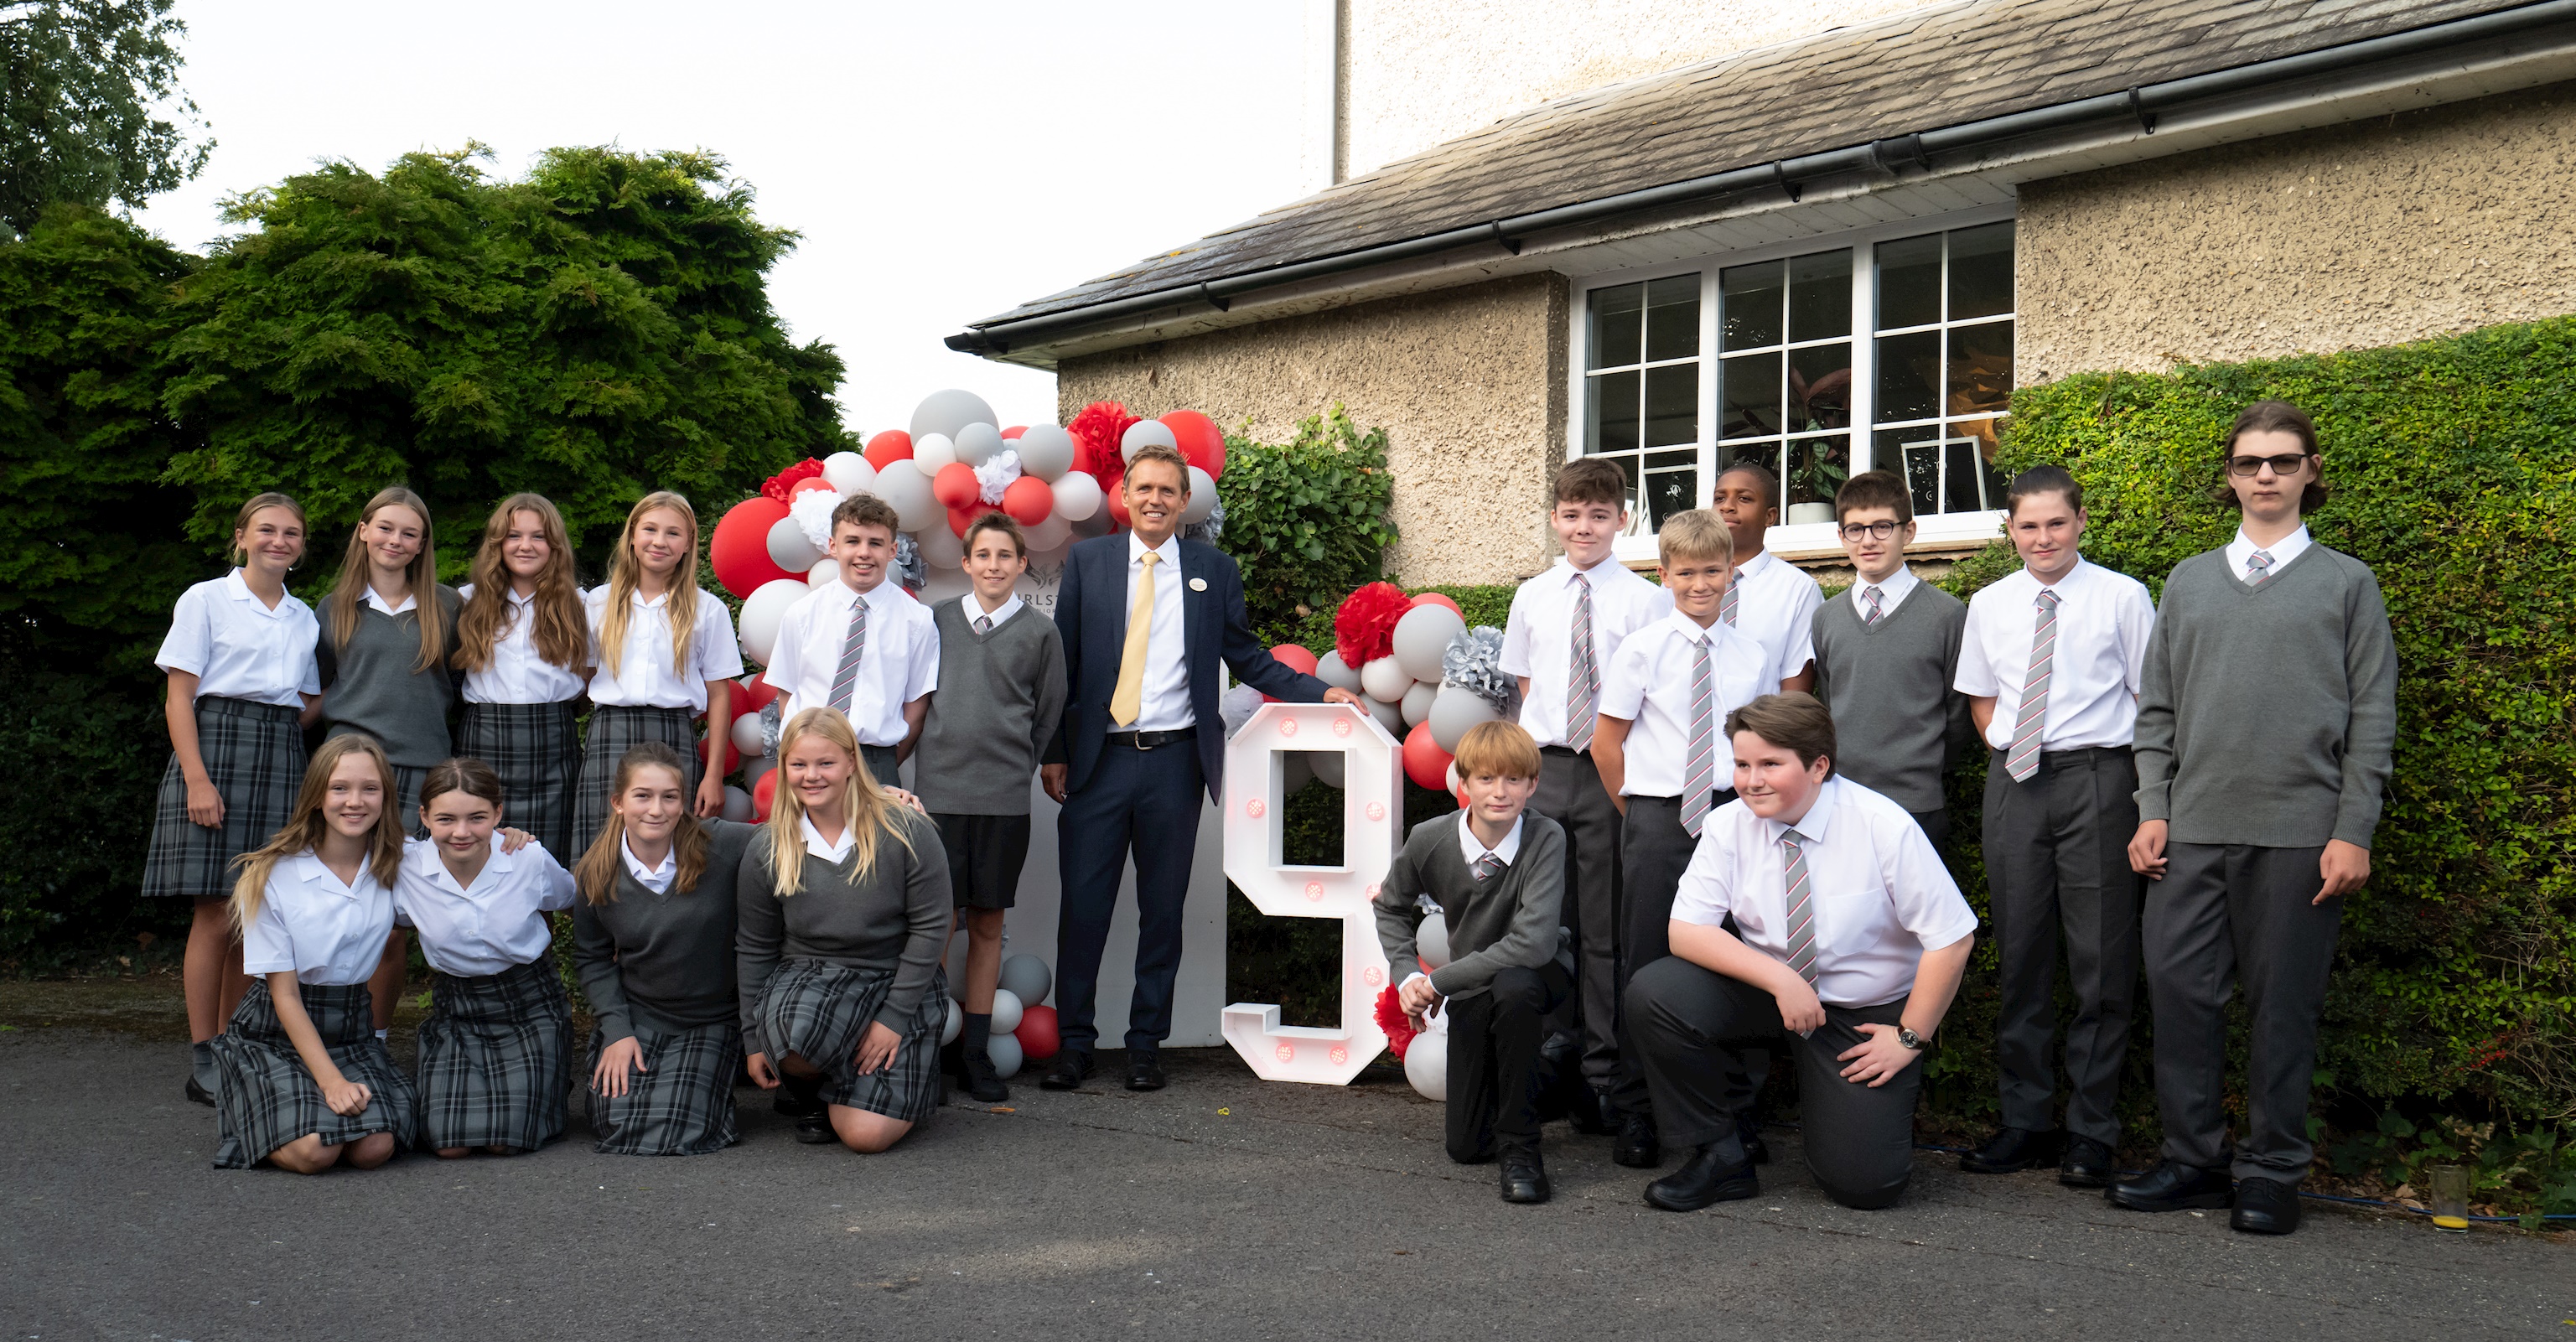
(1153, 740)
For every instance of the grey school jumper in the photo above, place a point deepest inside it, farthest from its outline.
(669, 956)
(1511, 923)
(894, 921)
(370, 685)
(1000, 695)
(1897, 722)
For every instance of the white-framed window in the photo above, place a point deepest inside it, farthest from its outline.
(1885, 348)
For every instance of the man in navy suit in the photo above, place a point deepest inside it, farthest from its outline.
(1145, 617)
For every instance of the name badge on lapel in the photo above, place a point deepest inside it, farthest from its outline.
(1198, 584)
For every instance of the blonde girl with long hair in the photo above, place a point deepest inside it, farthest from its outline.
(653, 942)
(239, 656)
(523, 644)
(305, 1084)
(667, 657)
(844, 913)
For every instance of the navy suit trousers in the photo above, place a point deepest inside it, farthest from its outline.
(1140, 802)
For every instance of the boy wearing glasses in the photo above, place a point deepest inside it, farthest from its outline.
(1886, 652)
(2264, 732)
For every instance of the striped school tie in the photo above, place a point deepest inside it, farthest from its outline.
(1486, 866)
(1870, 597)
(2258, 568)
(853, 648)
(1802, 911)
(983, 624)
(1726, 605)
(1699, 779)
(2023, 760)
(1583, 679)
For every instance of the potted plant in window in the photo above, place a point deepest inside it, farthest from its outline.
(1816, 473)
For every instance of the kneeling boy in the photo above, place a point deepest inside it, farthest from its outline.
(1498, 874)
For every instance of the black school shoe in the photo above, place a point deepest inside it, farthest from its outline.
(800, 1098)
(2012, 1150)
(1071, 1068)
(2086, 1164)
(815, 1129)
(2265, 1207)
(1748, 1131)
(1145, 1071)
(983, 1085)
(2173, 1186)
(1703, 1180)
(1524, 1176)
(1637, 1146)
(203, 1076)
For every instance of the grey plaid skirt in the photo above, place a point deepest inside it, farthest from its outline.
(268, 1098)
(496, 1059)
(681, 1104)
(821, 1010)
(613, 732)
(255, 755)
(537, 753)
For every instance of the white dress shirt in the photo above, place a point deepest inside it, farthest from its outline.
(1776, 603)
(377, 600)
(900, 663)
(2103, 619)
(1891, 593)
(494, 924)
(1473, 848)
(2282, 551)
(818, 846)
(518, 673)
(656, 879)
(1538, 638)
(1649, 685)
(973, 609)
(644, 678)
(1878, 891)
(1166, 703)
(311, 922)
(238, 647)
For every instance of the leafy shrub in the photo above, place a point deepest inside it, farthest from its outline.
(1305, 520)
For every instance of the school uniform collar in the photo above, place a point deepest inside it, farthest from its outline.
(512, 592)
(410, 602)
(1757, 566)
(1892, 592)
(237, 586)
(2282, 551)
(1565, 571)
(1472, 849)
(426, 860)
(1690, 631)
(309, 869)
(643, 602)
(829, 852)
(648, 875)
(1811, 827)
(972, 607)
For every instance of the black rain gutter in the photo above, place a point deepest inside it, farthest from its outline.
(2139, 103)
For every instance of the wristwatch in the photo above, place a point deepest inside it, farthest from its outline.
(1909, 1039)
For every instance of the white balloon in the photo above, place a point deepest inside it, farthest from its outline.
(1048, 535)
(1417, 703)
(946, 412)
(1146, 431)
(1422, 635)
(906, 489)
(1028, 978)
(1005, 1053)
(976, 444)
(824, 573)
(1333, 671)
(1006, 1011)
(1388, 715)
(849, 473)
(746, 736)
(1426, 1064)
(1202, 498)
(933, 451)
(1045, 451)
(761, 612)
(788, 547)
(1385, 679)
(1077, 496)
(941, 547)
(956, 1025)
(738, 806)
(1449, 774)
(1431, 941)
(1328, 766)
(1453, 712)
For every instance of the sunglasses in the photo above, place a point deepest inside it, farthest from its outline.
(2287, 463)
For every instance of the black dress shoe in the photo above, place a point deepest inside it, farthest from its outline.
(2265, 1207)
(1591, 1111)
(815, 1129)
(200, 1094)
(1637, 1147)
(2086, 1164)
(1703, 1180)
(2012, 1150)
(1072, 1068)
(1144, 1072)
(1748, 1132)
(799, 1097)
(982, 1085)
(203, 1075)
(2173, 1186)
(1524, 1177)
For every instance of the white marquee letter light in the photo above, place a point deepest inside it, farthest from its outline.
(1372, 830)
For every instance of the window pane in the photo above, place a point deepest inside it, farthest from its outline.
(1670, 492)
(1908, 371)
(1980, 373)
(1672, 405)
(1616, 324)
(1820, 387)
(1914, 454)
(1749, 305)
(1979, 436)
(1611, 424)
(1672, 317)
(1817, 468)
(1752, 396)
(1981, 271)
(1909, 282)
(1820, 295)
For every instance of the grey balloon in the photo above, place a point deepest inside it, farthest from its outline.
(1004, 1050)
(1328, 766)
(1028, 978)
(1294, 774)
(1389, 716)
(1333, 671)
(1417, 702)
(946, 412)
(978, 443)
(1045, 451)
(1422, 636)
(1453, 711)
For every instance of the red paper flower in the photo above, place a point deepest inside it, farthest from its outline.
(785, 480)
(1364, 628)
(1096, 434)
(1391, 1018)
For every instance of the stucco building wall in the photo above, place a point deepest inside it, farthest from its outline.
(2352, 236)
(1469, 384)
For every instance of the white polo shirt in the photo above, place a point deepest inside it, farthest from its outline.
(238, 647)
(2103, 619)
(1649, 684)
(1776, 604)
(644, 678)
(492, 925)
(1880, 894)
(1165, 705)
(1538, 638)
(900, 663)
(310, 921)
(518, 673)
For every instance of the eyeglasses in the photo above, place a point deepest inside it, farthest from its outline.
(2287, 463)
(1877, 531)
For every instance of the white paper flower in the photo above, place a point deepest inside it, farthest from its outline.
(813, 513)
(996, 475)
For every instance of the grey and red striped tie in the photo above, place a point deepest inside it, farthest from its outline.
(2258, 568)
(853, 648)
(1699, 778)
(2023, 759)
(1802, 910)
(1726, 603)
(1870, 595)
(1583, 672)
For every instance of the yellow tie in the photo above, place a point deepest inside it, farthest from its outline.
(1129, 700)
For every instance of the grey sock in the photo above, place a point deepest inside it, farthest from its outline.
(201, 1064)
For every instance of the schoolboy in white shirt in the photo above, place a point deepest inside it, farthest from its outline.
(1564, 628)
(1659, 747)
(2050, 661)
(1768, 599)
(861, 645)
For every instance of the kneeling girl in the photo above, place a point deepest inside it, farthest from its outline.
(843, 915)
(305, 1082)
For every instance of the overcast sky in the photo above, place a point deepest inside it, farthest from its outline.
(943, 161)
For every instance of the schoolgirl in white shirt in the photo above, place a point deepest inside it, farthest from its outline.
(523, 642)
(239, 655)
(667, 656)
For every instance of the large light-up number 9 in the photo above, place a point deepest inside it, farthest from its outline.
(1372, 827)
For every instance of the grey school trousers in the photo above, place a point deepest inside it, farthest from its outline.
(2224, 916)
(1570, 793)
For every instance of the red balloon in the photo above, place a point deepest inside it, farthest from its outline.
(739, 550)
(756, 695)
(762, 793)
(891, 445)
(955, 485)
(1116, 503)
(1295, 658)
(1037, 1033)
(1014, 431)
(1424, 761)
(1028, 500)
(1202, 442)
(961, 518)
(1436, 599)
(811, 482)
